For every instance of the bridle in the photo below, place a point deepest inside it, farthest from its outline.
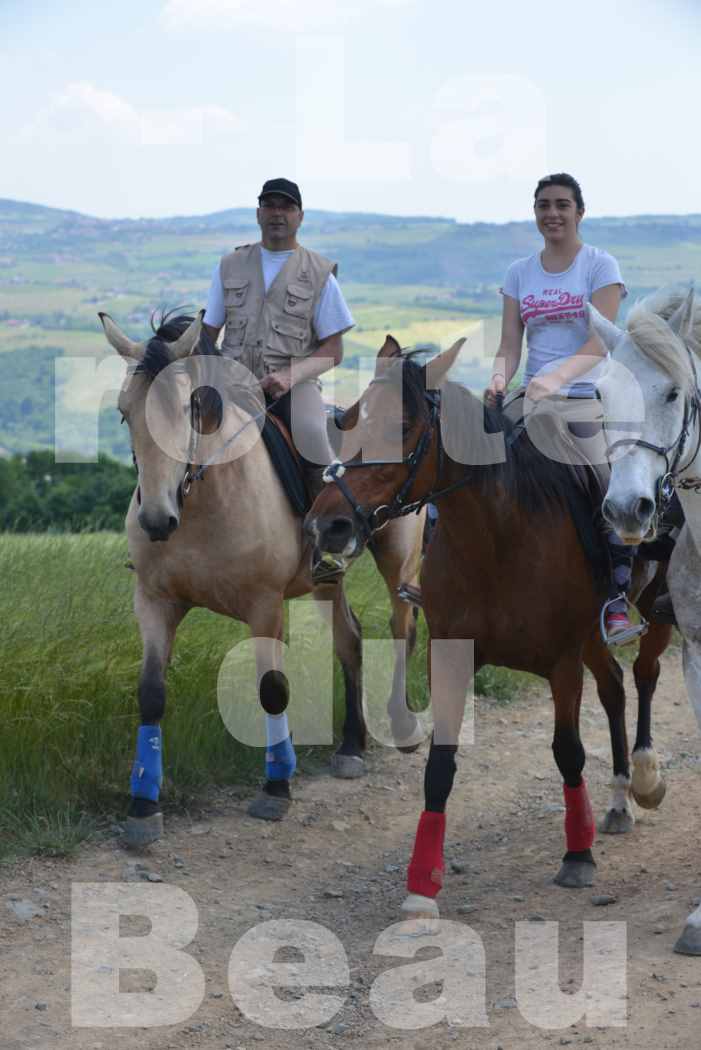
(670, 479)
(191, 474)
(371, 521)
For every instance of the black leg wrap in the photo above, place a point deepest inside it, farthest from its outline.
(438, 778)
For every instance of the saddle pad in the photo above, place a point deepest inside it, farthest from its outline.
(287, 464)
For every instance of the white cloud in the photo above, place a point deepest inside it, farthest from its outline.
(287, 15)
(82, 114)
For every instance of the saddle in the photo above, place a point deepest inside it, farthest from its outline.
(288, 464)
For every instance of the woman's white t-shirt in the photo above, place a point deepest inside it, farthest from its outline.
(553, 309)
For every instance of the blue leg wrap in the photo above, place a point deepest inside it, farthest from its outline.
(147, 771)
(280, 760)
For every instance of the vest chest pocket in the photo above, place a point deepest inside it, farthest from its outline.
(235, 292)
(235, 332)
(298, 300)
(287, 338)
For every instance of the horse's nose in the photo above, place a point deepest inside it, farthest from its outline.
(335, 534)
(158, 528)
(631, 517)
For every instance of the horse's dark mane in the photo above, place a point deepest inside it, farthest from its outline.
(158, 355)
(535, 481)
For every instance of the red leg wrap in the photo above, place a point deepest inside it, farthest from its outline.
(579, 818)
(425, 875)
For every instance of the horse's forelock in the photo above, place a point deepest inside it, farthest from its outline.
(657, 342)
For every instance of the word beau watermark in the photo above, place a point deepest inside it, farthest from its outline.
(293, 974)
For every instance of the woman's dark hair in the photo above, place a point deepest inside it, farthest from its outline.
(562, 179)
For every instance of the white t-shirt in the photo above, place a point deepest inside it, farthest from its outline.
(331, 314)
(553, 309)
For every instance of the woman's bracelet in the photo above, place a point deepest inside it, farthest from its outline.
(495, 374)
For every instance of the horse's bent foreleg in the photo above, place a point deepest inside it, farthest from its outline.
(607, 672)
(578, 863)
(158, 621)
(648, 786)
(266, 623)
(450, 674)
(397, 553)
(347, 763)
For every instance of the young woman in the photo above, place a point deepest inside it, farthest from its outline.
(546, 295)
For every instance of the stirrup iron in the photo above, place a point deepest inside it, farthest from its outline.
(621, 637)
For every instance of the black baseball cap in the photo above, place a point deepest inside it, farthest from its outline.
(281, 188)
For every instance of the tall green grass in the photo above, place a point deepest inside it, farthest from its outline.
(70, 655)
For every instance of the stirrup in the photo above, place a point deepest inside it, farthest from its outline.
(625, 636)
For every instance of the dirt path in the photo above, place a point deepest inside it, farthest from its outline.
(339, 860)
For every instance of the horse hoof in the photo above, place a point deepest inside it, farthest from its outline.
(268, 807)
(689, 943)
(142, 831)
(575, 874)
(653, 799)
(347, 767)
(617, 822)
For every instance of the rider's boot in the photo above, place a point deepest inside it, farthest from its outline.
(616, 626)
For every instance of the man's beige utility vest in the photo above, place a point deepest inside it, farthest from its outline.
(265, 331)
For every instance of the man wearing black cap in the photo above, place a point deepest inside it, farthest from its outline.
(284, 316)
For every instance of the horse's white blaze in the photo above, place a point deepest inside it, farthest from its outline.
(646, 771)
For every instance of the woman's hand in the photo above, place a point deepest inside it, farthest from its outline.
(497, 385)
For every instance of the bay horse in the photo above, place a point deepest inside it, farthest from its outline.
(658, 354)
(506, 567)
(228, 541)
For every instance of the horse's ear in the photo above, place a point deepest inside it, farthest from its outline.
(609, 333)
(187, 342)
(682, 320)
(121, 342)
(390, 347)
(438, 368)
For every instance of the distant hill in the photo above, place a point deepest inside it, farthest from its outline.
(424, 279)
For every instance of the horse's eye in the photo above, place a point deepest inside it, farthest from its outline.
(672, 395)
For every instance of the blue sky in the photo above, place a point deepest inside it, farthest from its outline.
(162, 107)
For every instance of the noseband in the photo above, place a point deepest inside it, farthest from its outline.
(670, 479)
(372, 521)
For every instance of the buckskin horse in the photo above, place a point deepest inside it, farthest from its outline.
(658, 354)
(229, 541)
(510, 566)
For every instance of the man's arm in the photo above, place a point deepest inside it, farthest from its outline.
(327, 355)
(214, 312)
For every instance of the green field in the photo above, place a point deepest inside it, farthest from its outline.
(70, 654)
